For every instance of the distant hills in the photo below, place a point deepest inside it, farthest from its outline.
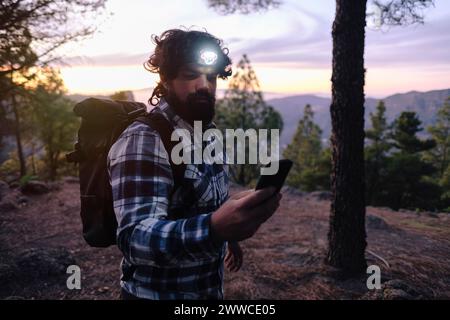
(425, 104)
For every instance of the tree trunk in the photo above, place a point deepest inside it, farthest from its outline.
(51, 169)
(33, 162)
(347, 234)
(54, 166)
(23, 167)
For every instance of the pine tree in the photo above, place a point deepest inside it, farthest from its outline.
(444, 182)
(376, 153)
(347, 234)
(440, 131)
(52, 120)
(305, 151)
(243, 106)
(440, 155)
(407, 184)
(406, 126)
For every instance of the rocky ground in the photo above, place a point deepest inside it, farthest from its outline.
(40, 235)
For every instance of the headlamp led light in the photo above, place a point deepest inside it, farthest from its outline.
(207, 57)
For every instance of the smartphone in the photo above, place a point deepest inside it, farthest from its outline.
(275, 180)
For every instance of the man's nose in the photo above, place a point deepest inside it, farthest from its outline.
(202, 82)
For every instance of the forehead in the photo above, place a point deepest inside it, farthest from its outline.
(196, 68)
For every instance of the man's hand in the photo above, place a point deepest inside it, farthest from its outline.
(239, 218)
(241, 194)
(234, 256)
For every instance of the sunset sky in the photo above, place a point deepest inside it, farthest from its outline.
(289, 47)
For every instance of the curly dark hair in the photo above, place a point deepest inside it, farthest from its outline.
(174, 49)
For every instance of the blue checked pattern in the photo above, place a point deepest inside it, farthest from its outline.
(165, 258)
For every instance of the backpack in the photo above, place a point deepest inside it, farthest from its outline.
(102, 122)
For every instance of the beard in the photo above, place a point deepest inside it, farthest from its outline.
(199, 106)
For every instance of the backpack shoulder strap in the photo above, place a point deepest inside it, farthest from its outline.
(158, 122)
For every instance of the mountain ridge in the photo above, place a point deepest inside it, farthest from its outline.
(425, 104)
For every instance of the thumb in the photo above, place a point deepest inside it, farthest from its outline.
(256, 197)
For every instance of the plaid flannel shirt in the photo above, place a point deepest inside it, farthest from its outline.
(164, 258)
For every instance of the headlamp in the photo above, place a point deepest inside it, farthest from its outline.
(207, 57)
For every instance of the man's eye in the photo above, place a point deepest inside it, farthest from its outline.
(191, 75)
(212, 77)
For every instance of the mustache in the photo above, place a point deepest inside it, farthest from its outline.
(201, 95)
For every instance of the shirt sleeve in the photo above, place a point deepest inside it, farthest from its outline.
(141, 180)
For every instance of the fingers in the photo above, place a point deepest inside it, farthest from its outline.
(229, 261)
(227, 264)
(234, 259)
(228, 257)
(256, 216)
(241, 194)
(233, 263)
(264, 211)
(236, 265)
(255, 198)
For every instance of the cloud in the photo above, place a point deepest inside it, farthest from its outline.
(420, 45)
(117, 59)
(308, 44)
(415, 46)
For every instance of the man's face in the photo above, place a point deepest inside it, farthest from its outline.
(192, 93)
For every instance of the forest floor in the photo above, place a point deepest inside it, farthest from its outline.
(284, 260)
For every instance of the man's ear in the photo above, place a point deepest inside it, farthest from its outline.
(165, 83)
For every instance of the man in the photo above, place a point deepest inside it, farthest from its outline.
(180, 258)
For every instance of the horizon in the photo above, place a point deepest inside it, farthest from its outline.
(267, 95)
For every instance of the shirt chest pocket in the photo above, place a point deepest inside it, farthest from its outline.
(209, 184)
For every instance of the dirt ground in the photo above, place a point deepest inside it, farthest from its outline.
(284, 260)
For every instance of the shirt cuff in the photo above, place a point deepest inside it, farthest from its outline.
(216, 243)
